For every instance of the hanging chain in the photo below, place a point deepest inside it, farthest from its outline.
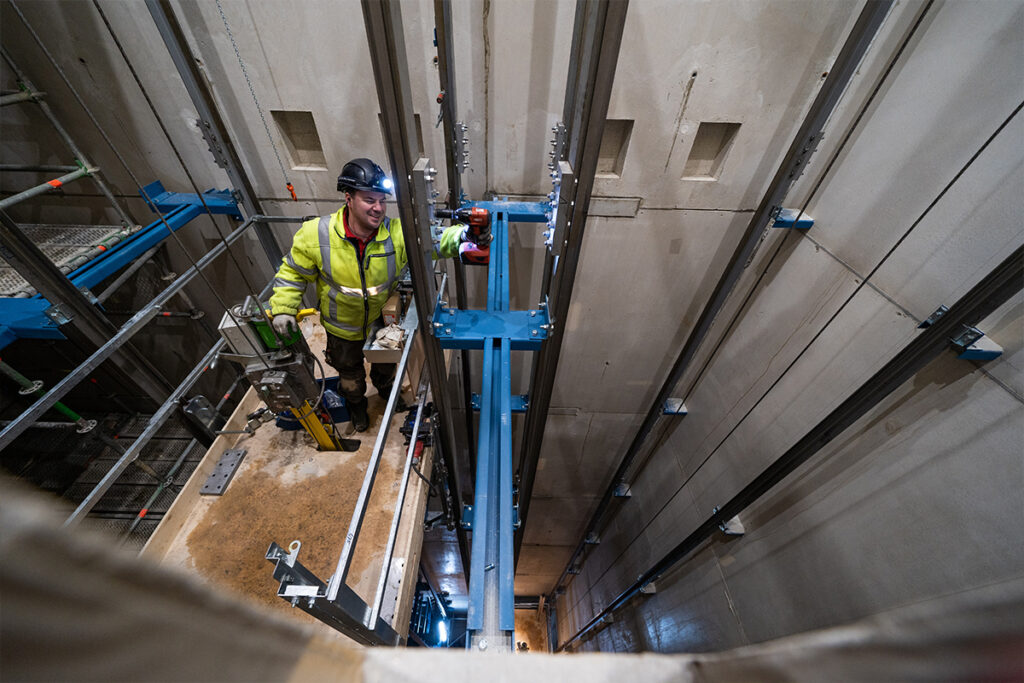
(252, 91)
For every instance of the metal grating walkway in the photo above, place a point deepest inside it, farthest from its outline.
(68, 246)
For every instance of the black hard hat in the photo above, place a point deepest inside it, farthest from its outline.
(363, 174)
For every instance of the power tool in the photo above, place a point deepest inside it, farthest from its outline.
(476, 250)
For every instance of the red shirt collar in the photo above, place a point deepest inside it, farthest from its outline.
(349, 233)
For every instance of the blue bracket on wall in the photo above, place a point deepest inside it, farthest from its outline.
(972, 344)
(792, 218)
(27, 318)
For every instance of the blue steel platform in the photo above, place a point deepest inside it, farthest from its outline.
(26, 317)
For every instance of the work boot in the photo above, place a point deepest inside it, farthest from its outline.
(357, 413)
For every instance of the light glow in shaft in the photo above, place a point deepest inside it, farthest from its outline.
(442, 627)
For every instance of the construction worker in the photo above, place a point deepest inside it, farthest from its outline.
(355, 255)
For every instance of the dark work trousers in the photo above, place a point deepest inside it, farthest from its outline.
(347, 358)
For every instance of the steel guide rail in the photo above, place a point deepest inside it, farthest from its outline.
(804, 144)
(985, 297)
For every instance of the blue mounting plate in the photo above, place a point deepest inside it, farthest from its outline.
(459, 329)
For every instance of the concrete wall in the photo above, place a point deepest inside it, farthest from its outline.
(921, 497)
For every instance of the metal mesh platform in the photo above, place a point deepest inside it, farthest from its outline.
(68, 246)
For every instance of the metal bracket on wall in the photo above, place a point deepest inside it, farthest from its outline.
(674, 406)
(933, 318)
(467, 517)
(731, 527)
(461, 146)
(216, 149)
(791, 218)
(972, 344)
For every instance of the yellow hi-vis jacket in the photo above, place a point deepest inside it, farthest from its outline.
(350, 294)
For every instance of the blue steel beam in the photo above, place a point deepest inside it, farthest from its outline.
(482, 531)
(492, 566)
(506, 557)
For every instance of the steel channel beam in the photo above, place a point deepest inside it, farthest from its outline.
(40, 272)
(993, 291)
(803, 145)
(50, 186)
(202, 99)
(359, 514)
(383, 20)
(446, 76)
(597, 59)
(449, 105)
(126, 217)
(126, 332)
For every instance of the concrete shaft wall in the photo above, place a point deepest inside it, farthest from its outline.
(915, 198)
(915, 501)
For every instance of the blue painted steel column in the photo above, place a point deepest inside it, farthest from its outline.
(482, 528)
(506, 556)
(491, 617)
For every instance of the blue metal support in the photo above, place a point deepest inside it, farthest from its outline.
(792, 218)
(498, 331)
(27, 318)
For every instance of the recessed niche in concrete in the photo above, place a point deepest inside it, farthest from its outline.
(709, 148)
(614, 142)
(419, 131)
(301, 140)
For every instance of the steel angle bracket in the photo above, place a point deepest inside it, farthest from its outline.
(972, 344)
(791, 218)
(561, 207)
(304, 590)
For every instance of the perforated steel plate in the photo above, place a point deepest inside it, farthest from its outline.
(222, 474)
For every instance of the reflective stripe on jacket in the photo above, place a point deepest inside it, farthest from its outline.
(350, 294)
